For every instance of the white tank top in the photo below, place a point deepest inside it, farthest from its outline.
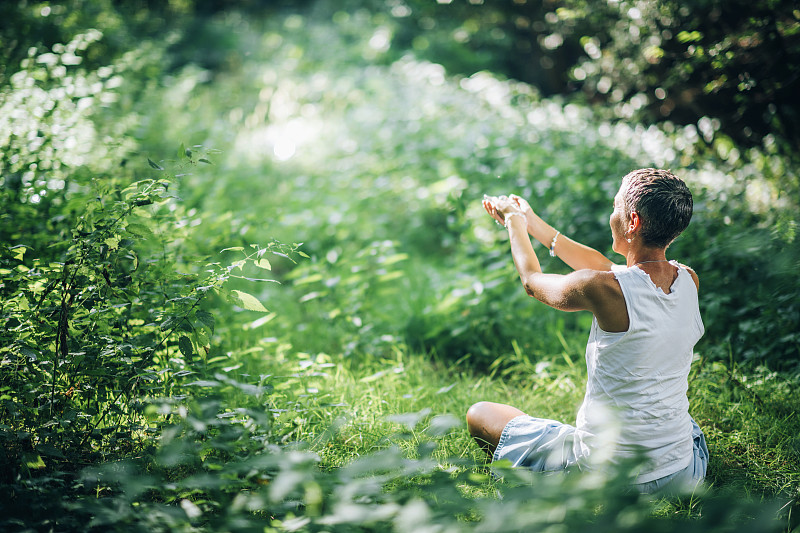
(636, 404)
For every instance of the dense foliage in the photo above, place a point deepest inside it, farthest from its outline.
(729, 68)
(281, 331)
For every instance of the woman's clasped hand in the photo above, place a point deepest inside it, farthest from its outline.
(500, 206)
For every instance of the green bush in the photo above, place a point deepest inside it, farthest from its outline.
(101, 309)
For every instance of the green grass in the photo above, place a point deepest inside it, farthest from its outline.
(376, 402)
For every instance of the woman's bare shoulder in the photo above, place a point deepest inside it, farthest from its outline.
(609, 302)
(602, 282)
(692, 273)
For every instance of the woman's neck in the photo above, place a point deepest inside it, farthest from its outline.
(639, 254)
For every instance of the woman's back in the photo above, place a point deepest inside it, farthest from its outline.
(637, 379)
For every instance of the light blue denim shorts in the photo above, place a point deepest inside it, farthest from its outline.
(544, 445)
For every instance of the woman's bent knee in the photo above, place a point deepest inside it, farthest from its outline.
(486, 421)
(476, 416)
(489, 418)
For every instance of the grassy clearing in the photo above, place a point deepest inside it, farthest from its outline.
(342, 406)
(409, 308)
(351, 408)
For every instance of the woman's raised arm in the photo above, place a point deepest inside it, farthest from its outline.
(591, 289)
(578, 256)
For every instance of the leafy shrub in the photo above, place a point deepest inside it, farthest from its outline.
(100, 307)
(111, 319)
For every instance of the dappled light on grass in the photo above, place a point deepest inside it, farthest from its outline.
(286, 140)
(284, 121)
(403, 477)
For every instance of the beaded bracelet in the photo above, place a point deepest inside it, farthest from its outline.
(509, 215)
(553, 244)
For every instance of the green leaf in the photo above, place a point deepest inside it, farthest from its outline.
(168, 322)
(263, 263)
(33, 460)
(49, 449)
(313, 278)
(139, 229)
(689, 36)
(19, 251)
(391, 275)
(154, 164)
(246, 301)
(201, 339)
(112, 242)
(392, 259)
(206, 318)
(203, 383)
(185, 346)
(260, 321)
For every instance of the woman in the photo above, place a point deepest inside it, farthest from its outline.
(646, 323)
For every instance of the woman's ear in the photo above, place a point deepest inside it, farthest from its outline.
(635, 222)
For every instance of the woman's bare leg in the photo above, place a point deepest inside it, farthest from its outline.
(486, 421)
